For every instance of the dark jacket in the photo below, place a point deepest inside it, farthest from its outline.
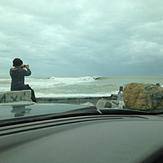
(17, 77)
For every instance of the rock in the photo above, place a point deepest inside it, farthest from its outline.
(103, 103)
(143, 96)
(15, 96)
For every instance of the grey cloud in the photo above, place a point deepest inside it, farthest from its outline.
(95, 35)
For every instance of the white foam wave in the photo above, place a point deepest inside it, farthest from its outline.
(44, 83)
(7, 79)
(53, 81)
(4, 89)
(70, 80)
(5, 84)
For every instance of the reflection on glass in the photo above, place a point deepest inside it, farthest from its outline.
(20, 111)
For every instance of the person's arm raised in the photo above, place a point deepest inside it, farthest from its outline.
(27, 71)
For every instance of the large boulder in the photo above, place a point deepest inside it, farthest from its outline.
(143, 96)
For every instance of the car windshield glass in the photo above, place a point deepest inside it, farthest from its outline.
(20, 111)
(106, 54)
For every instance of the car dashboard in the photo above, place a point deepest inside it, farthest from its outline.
(83, 139)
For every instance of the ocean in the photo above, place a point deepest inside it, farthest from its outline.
(80, 86)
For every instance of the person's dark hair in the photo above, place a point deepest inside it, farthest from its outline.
(121, 88)
(17, 62)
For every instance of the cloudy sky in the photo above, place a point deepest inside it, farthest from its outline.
(82, 37)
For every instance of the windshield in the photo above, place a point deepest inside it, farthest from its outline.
(29, 110)
(106, 54)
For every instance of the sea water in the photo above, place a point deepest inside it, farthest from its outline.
(80, 86)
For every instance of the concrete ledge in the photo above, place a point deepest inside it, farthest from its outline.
(15, 96)
(74, 100)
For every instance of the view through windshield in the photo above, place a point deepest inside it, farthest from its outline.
(81, 81)
(59, 48)
(80, 86)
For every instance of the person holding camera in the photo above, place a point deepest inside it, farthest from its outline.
(18, 73)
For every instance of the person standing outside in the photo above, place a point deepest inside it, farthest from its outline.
(18, 73)
(120, 98)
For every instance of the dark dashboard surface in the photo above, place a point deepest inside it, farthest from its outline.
(115, 139)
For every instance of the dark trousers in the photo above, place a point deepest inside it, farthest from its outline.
(32, 92)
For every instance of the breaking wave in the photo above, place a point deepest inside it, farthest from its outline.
(57, 81)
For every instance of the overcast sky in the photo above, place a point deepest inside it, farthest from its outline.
(82, 37)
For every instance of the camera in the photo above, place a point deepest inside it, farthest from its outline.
(24, 66)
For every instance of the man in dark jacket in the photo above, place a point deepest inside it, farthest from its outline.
(18, 73)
